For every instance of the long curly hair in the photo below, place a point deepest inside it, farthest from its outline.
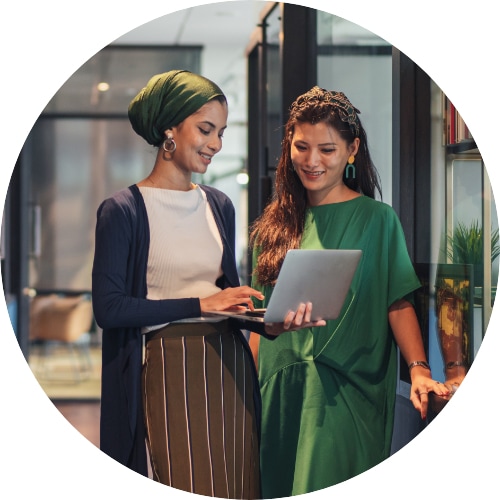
(280, 226)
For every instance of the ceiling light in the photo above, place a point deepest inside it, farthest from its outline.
(103, 86)
(242, 178)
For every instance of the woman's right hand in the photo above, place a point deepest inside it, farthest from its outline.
(233, 299)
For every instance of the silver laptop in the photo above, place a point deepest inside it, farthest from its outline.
(322, 277)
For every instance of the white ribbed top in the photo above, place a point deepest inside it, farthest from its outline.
(185, 251)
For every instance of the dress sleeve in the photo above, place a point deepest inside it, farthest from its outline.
(402, 277)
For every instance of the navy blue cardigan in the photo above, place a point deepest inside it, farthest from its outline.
(121, 309)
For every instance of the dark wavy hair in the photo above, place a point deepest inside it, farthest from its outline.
(279, 228)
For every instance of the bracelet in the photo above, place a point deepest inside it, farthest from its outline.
(424, 364)
(452, 364)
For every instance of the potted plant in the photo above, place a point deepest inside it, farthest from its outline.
(465, 246)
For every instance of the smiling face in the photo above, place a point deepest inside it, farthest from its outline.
(319, 156)
(198, 138)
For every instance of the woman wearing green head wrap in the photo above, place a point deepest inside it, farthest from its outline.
(167, 100)
(164, 257)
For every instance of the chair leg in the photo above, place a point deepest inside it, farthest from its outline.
(83, 347)
(76, 361)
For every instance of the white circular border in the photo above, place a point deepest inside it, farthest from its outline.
(44, 43)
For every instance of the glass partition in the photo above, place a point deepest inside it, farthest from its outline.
(470, 212)
(275, 120)
(464, 247)
(359, 63)
(80, 151)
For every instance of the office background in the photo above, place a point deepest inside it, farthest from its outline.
(354, 100)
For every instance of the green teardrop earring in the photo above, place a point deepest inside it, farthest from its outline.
(350, 168)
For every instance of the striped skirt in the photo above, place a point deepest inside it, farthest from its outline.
(199, 384)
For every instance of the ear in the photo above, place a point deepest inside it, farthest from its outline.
(354, 146)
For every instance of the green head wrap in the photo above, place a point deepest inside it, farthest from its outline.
(167, 100)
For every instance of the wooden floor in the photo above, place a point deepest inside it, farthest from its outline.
(83, 415)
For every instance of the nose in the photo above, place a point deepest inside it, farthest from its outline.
(313, 158)
(215, 143)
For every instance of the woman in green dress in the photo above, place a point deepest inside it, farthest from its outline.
(328, 393)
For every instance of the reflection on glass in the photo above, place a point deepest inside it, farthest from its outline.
(453, 299)
(472, 236)
(465, 282)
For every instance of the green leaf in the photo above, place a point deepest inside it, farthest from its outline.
(465, 246)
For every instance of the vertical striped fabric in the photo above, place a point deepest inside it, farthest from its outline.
(199, 411)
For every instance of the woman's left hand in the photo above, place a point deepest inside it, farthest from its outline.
(295, 320)
(421, 385)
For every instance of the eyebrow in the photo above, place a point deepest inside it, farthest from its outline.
(212, 125)
(321, 145)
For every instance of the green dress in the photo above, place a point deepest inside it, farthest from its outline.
(328, 393)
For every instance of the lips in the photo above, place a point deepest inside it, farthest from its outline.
(313, 174)
(207, 158)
